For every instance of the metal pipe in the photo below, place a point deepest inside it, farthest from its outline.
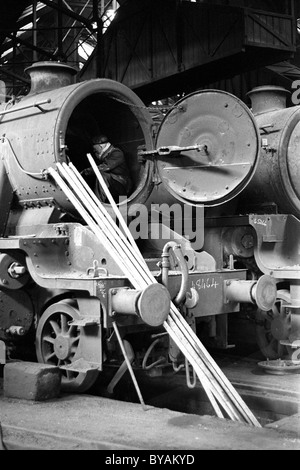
(180, 297)
(213, 368)
(34, 30)
(239, 291)
(262, 292)
(295, 293)
(123, 368)
(33, 105)
(129, 365)
(189, 383)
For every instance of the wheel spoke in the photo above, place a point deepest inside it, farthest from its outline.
(69, 374)
(49, 339)
(71, 328)
(75, 341)
(49, 357)
(55, 327)
(63, 322)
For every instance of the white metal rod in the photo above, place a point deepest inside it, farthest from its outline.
(128, 364)
(98, 218)
(187, 332)
(92, 225)
(218, 374)
(120, 217)
(110, 222)
(115, 207)
(201, 376)
(196, 363)
(82, 195)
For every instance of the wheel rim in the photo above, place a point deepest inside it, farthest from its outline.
(273, 326)
(57, 343)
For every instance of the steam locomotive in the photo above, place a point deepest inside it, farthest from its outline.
(229, 171)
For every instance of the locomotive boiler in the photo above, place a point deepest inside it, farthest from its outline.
(61, 289)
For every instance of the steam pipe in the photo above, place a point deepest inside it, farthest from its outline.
(180, 297)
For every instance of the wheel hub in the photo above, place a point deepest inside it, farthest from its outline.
(62, 347)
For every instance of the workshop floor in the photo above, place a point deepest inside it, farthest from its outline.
(93, 422)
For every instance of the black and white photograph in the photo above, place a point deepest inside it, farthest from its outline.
(150, 228)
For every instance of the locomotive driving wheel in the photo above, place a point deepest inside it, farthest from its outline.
(273, 326)
(57, 343)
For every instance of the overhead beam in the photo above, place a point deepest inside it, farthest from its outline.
(25, 43)
(69, 13)
(14, 75)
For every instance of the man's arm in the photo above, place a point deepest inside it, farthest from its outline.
(112, 161)
(87, 171)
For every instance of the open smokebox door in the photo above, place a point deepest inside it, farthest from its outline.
(110, 109)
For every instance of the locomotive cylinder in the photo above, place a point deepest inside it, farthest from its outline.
(277, 178)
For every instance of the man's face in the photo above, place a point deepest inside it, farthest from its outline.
(99, 148)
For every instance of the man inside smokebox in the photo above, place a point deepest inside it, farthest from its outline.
(112, 165)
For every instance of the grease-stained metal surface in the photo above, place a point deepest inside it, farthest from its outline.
(276, 180)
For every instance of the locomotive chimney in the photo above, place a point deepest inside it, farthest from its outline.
(268, 98)
(49, 75)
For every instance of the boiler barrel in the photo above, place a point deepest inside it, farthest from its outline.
(55, 123)
(277, 178)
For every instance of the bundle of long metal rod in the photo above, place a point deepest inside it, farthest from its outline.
(112, 242)
(176, 319)
(128, 256)
(118, 254)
